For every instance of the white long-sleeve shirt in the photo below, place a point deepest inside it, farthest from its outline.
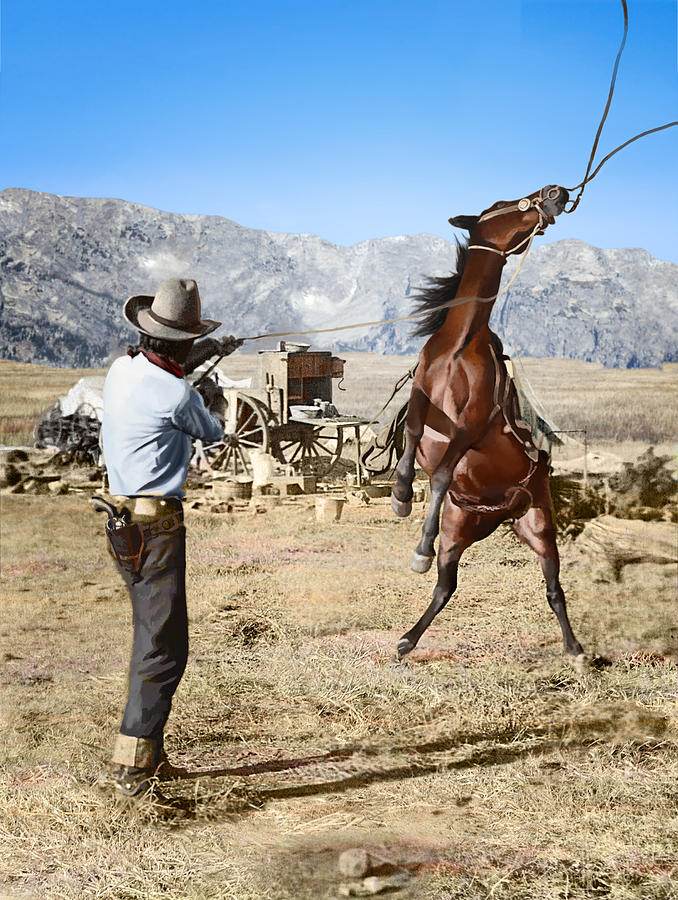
(150, 416)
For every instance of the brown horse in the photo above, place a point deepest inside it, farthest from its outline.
(463, 423)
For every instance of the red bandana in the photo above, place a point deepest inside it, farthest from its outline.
(164, 363)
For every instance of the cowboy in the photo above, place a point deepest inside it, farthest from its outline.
(150, 415)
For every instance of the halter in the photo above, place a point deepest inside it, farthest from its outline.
(521, 206)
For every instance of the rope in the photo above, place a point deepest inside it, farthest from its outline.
(536, 402)
(398, 386)
(457, 301)
(589, 177)
(575, 203)
(616, 150)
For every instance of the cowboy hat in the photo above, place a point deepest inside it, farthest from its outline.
(173, 314)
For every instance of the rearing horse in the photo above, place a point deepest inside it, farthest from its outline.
(463, 423)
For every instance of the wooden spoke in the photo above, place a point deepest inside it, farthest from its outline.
(312, 449)
(246, 429)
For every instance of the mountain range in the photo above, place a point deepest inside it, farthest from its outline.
(67, 264)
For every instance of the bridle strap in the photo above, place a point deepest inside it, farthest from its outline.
(521, 206)
(513, 207)
(491, 249)
(505, 253)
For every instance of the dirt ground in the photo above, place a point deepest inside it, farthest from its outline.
(484, 765)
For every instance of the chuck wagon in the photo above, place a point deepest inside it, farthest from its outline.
(287, 412)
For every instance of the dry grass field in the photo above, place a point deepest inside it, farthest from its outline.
(484, 765)
(614, 405)
(26, 392)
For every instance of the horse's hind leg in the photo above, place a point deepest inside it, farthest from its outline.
(448, 563)
(536, 529)
(401, 495)
(460, 529)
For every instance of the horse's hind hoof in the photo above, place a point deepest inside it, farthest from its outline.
(581, 662)
(401, 508)
(405, 646)
(421, 563)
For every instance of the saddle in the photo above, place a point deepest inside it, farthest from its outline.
(506, 401)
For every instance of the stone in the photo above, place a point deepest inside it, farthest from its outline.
(375, 884)
(9, 475)
(378, 884)
(16, 456)
(357, 498)
(355, 862)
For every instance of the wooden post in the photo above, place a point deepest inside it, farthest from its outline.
(586, 461)
(359, 473)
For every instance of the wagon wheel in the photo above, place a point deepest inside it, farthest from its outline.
(312, 450)
(246, 428)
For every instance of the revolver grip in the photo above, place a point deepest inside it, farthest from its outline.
(100, 505)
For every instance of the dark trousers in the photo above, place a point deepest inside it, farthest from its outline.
(160, 645)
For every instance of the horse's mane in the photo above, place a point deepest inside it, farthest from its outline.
(440, 290)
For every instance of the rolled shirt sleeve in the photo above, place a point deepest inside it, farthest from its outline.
(192, 417)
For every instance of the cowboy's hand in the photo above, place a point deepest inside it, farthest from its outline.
(229, 344)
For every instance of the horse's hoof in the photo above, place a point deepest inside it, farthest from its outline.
(401, 508)
(421, 563)
(405, 645)
(581, 662)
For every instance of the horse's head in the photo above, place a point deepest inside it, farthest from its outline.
(507, 226)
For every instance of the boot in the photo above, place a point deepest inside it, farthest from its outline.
(166, 771)
(132, 781)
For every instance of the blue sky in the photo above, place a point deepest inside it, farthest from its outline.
(347, 120)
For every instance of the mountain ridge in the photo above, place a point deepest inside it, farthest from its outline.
(67, 264)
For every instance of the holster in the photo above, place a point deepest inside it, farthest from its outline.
(127, 545)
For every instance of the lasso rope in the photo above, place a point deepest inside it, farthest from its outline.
(589, 177)
(449, 304)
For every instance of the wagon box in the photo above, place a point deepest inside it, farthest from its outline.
(287, 412)
(297, 377)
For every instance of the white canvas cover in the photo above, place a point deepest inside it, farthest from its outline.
(88, 393)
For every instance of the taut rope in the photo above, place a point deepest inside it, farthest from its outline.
(588, 176)
(457, 301)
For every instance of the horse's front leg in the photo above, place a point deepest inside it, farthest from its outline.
(440, 484)
(401, 495)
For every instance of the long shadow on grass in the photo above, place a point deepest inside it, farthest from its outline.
(506, 746)
(482, 758)
(437, 746)
(271, 765)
